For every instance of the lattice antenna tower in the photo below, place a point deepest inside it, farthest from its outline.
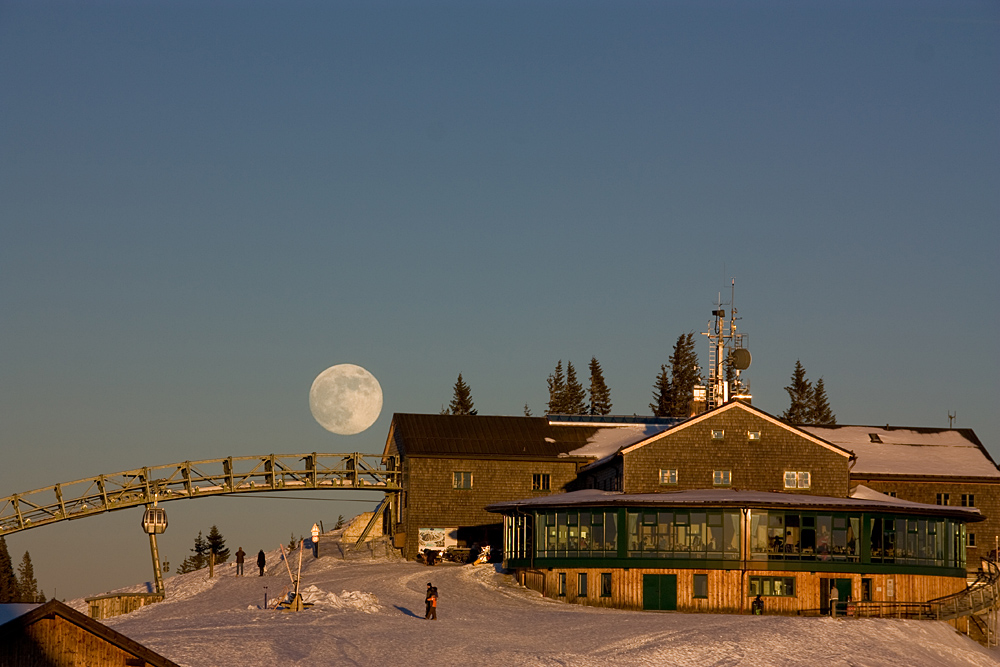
(725, 342)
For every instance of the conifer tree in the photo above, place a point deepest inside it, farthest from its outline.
(27, 586)
(685, 374)
(8, 581)
(819, 409)
(340, 522)
(576, 397)
(217, 546)
(600, 395)
(800, 394)
(527, 410)
(198, 559)
(461, 403)
(661, 394)
(557, 391)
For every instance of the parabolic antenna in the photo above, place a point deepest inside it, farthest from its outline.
(740, 359)
(345, 399)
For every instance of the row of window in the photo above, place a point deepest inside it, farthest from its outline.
(774, 535)
(539, 481)
(581, 585)
(763, 586)
(794, 479)
(968, 499)
(720, 434)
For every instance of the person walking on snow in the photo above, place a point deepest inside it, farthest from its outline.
(434, 603)
(427, 601)
(261, 561)
(240, 555)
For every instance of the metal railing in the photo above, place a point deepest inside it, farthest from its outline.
(196, 479)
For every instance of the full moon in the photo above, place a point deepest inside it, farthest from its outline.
(345, 399)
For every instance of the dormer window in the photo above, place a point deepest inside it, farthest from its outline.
(873, 437)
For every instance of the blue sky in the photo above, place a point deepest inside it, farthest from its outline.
(204, 205)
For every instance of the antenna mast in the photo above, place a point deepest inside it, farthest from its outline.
(726, 345)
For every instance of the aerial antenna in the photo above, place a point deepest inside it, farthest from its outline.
(726, 345)
(951, 417)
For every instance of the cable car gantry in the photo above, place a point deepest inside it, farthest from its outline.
(196, 479)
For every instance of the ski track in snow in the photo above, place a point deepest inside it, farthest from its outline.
(376, 618)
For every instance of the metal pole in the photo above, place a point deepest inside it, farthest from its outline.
(157, 574)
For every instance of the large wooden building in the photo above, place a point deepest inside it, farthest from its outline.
(696, 514)
(32, 635)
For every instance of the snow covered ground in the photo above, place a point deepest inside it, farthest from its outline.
(370, 612)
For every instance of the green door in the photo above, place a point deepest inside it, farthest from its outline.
(659, 592)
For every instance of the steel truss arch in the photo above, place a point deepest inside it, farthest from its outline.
(196, 479)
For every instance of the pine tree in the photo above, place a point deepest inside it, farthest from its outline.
(800, 394)
(685, 374)
(661, 394)
(291, 542)
(819, 410)
(8, 581)
(198, 559)
(600, 395)
(527, 410)
(576, 397)
(217, 546)
(27, 586)
(340, 522)
(461, 403)
(557, 391)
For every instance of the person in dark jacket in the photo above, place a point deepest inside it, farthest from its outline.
(261, 561)
(240, 556)
(427, 601)
(434, 603)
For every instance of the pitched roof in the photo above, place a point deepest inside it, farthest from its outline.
(478, 435)
(896, 450)
(732, 405)
(732, 498)
(15, 617)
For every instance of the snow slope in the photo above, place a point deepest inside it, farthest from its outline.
(370, 612)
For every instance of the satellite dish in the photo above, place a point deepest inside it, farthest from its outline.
(740, 359)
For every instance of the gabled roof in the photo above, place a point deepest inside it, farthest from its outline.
(732, 405)
(703, 498)
(900, 450)
(478, 435)
(14, 618)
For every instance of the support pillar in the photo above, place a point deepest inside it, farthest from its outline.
(157, 573)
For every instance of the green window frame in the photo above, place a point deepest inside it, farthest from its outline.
(771, 587)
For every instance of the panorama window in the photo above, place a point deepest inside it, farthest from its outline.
(797, 536)
(540, 481)
(721, 478)
(668, 476)
(462, 480)
(577, 534)
(685, 534)
(917, 541)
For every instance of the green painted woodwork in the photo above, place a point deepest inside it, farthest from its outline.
(659, 592)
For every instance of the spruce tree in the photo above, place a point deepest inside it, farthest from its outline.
(217, 546)
(557, 391)
(576, 397)
(800, 394)
(527, 410)
(600, 395)
(340, 522)
(685, 374)
(199, 557)
(819, 410)
(661, 394)
(461, 403)
(8, 581)
(27, 586)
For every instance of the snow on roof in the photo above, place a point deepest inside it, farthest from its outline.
(10, 611)
(604, 442)
(729, 497)
(911, 451)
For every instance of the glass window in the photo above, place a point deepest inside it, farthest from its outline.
(540, 481)
(971, 539)
(721, 478)
(462, 480)
(942, 498)
(804, 480)
(796, 480)
(968, 500)
(718, 434)
(668, 476)
(581, 585)
(605, 584)
(771, 587)
(790, 479)
(753, 435)
(562, 584)
(700, 586)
